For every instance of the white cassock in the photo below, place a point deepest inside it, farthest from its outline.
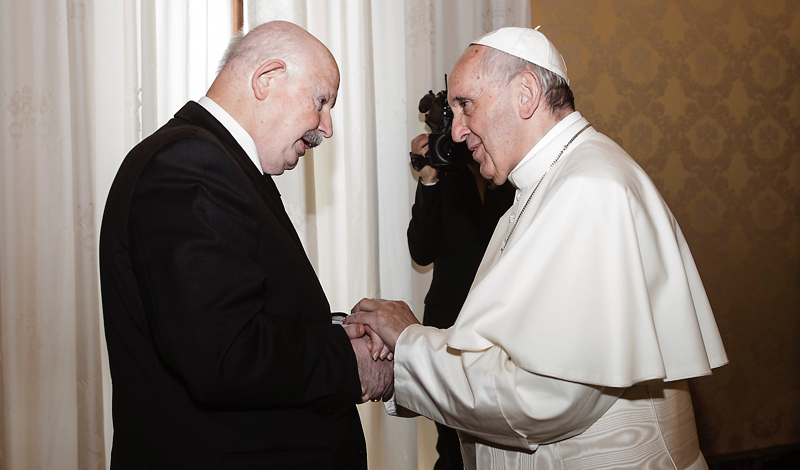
(572, 349)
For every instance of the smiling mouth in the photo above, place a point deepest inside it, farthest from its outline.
(474, 148)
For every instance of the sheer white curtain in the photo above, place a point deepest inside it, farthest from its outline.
(50, 376)
(151, 57)
(351, 200)
(81, 82)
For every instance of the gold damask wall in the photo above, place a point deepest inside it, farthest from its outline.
(705, 95)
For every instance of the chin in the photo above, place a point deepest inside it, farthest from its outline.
(291, 161)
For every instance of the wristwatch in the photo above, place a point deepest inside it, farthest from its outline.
(337, 318)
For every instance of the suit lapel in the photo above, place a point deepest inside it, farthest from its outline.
(271, 193)
(198, 115)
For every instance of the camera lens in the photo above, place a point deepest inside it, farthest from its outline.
(444, 146)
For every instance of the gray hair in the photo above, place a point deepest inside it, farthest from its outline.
(265, 42)
(233, 45)
(503, 68)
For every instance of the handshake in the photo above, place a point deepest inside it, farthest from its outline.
(373, 327)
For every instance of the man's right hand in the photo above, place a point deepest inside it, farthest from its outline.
(419, 146)
(377, 376)
(387, 318)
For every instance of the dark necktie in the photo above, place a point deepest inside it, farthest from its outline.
(271, 184)
(276, 198)
(282, 210)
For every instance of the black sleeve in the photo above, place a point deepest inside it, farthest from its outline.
(424, 229)
(195, 247)
(496, 203)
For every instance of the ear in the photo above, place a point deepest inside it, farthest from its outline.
(530, 89)
(265, 75)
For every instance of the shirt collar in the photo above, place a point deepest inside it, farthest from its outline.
(537, 161)
(237, 131)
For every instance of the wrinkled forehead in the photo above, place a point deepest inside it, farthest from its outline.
(466, 73)
(333, 72)
(328, 76)
(326, 65)
(469, 61)
(318, 66)
(322, 79)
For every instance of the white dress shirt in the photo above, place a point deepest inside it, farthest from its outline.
(242, 137)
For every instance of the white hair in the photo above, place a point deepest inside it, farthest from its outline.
(274, 40)
(503, 68)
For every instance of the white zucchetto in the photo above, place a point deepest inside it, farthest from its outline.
(528, 44)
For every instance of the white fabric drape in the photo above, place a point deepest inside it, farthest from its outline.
(74, 78)
(351, 200)
(151, 56)
(50, 381)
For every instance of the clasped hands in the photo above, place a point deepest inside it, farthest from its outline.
(373, 327)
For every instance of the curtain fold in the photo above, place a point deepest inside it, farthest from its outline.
(72, 76)
(49, 309)
(152, 57)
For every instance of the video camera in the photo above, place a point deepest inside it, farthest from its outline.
(443, 153)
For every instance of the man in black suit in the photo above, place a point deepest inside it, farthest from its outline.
(452, 220)
(220, 340)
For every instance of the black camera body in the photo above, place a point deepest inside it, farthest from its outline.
(443, 153)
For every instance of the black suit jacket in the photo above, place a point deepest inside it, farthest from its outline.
(451, 227)
(220, 341)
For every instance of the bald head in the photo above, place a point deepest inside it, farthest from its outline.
(279, 83)
(275, 40)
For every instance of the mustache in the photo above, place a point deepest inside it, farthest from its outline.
(313, 138)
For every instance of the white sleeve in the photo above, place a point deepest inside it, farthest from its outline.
(485, 394)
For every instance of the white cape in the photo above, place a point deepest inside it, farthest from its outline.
(597, 284)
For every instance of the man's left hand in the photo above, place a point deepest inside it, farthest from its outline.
(377, 377)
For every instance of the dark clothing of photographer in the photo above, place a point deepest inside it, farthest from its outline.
(451, 227)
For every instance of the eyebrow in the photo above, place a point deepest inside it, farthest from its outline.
(460, 100)
(331, 98)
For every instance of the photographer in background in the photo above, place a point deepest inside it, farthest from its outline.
(452, 220)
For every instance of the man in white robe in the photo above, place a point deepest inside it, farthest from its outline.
(587, 314)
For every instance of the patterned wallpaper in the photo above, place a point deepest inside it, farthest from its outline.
(705, 95)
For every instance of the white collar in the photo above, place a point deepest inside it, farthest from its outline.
(536, 162)
(237, 131)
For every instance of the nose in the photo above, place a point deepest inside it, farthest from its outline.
(459, 131)
(326, 123)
